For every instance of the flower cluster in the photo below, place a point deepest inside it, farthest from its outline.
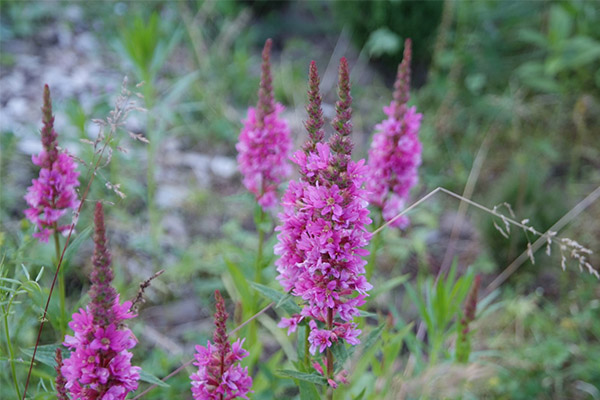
(264, 143)
(53, 193)
(322, 232)
(463, 342)
(100, 364)
(395, 153)
(218, 376)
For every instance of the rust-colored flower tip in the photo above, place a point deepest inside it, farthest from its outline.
(220, 336)
(102, 294)
(344, 104)
(471, 303)
(266, 101)
(402, 84)
(315, 121)
(60, 381)
(340, 142)
(49, 135)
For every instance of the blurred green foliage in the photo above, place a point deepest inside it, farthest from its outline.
(381, 26)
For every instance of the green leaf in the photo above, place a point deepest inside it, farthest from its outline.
(148, 377)
(288, 306)
(303, 376)
(301, 344)
(560, 24)
(382, 41)
(372, 338)
(308, 391)
(286, 297)
(388, 285)
(75, 244)
(340, 354)
(239, 279)
(46, 353)
(360, 395)
(363, 313)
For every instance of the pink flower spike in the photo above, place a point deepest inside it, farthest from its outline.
(395, 153)
(99, 366)
(322, 234)
(219, 375)
(53, 193)
(264, 144)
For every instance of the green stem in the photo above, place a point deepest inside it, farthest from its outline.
(329, 354)
(11, 352)
(253, 328)
(306, 350)
(151, 182)
(259, 253)
(61, 285)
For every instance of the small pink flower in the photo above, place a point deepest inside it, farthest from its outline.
(290, 323)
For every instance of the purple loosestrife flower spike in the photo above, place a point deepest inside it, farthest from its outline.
(340, 143)
(264, 144)
(102, 294)
(266, 101)
(53, 193)
(395, 153)
(322, 234)
(463, 344)
(61, 390)
(218, 376)
(402, 84)
(100, 364)
(315, 122)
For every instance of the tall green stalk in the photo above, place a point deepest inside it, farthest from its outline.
(10, 352)
(61, 285)
(257, 273)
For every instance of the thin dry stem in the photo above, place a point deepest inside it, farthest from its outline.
(139, 298)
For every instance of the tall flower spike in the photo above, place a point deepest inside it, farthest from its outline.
(102, 294)
(100, 364)
(395, 153)
(266, 101)
(314, 124)
(61, 390)
(340, 142)
(265, 143)
(402, 84)
(53, 193)
(322, 234)
(218, 376)
(463, 344)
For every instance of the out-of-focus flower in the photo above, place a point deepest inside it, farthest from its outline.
(395, 153)
(264, 143)
(53, 193)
